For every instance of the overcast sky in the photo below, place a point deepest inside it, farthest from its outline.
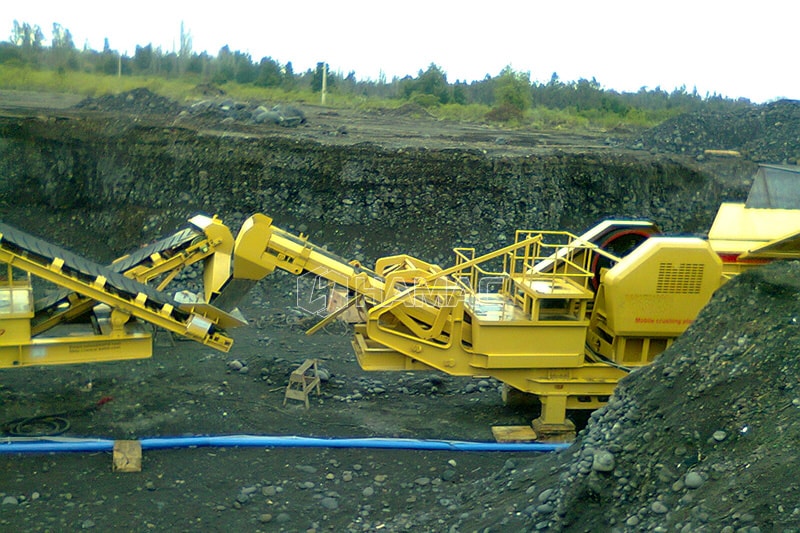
(733, 48)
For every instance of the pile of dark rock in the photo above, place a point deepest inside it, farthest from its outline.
(705, 438)
(138, 101)
(229, 110)
(221, 108)
(768, 133)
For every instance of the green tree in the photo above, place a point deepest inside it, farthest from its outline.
(26, 36)
(10, 53)
(62, 38)
(185, 53)
(482, 91)
(224, 66)
(512, 89)
(317, 75)
(551, 95)
(63, 53)
(512, 95)
(234, 66)
(108, 63)
(429, 86)
(143, 59)
(29, 39)
(289, 81)
(459, 93)
(269, 73)
(198, 63)
(244, 69)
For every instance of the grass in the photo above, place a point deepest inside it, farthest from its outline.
(462, 113)
(81, 83)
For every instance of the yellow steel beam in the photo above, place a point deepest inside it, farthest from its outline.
(77, 349)
(261, 248)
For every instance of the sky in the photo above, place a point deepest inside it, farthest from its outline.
(735, 48)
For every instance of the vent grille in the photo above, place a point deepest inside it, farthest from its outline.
(683, 278)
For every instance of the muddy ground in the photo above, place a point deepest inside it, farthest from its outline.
(737, 480)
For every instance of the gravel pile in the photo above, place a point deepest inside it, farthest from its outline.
(225, 110)
(137, 101)
(704, 439)
(768, 133)
(228, 110)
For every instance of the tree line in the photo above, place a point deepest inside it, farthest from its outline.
(509, 93)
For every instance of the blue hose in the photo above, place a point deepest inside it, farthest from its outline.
(251, 441)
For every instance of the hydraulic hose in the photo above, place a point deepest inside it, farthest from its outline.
(46, 425)
(259, 441)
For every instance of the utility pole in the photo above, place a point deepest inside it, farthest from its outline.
(324, 81)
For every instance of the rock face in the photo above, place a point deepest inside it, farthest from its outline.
(131, 180)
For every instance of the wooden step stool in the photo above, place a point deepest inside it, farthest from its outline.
(302, 381)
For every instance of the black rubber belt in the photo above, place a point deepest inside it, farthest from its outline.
(81, 265)
(174, 241)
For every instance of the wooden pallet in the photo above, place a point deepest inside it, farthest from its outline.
(514, 433)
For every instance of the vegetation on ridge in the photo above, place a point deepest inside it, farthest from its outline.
(509, 98)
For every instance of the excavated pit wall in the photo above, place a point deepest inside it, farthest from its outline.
(121, 184)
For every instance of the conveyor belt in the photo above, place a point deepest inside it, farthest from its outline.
(330, 255)
(173, 242)
(51, 300)
(88, 270)
(203, 323)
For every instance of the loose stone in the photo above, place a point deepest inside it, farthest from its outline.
(693, 480)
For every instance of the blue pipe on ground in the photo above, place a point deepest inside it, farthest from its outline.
(255, 441)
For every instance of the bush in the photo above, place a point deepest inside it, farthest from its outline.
(424, 100)
(504, 113)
